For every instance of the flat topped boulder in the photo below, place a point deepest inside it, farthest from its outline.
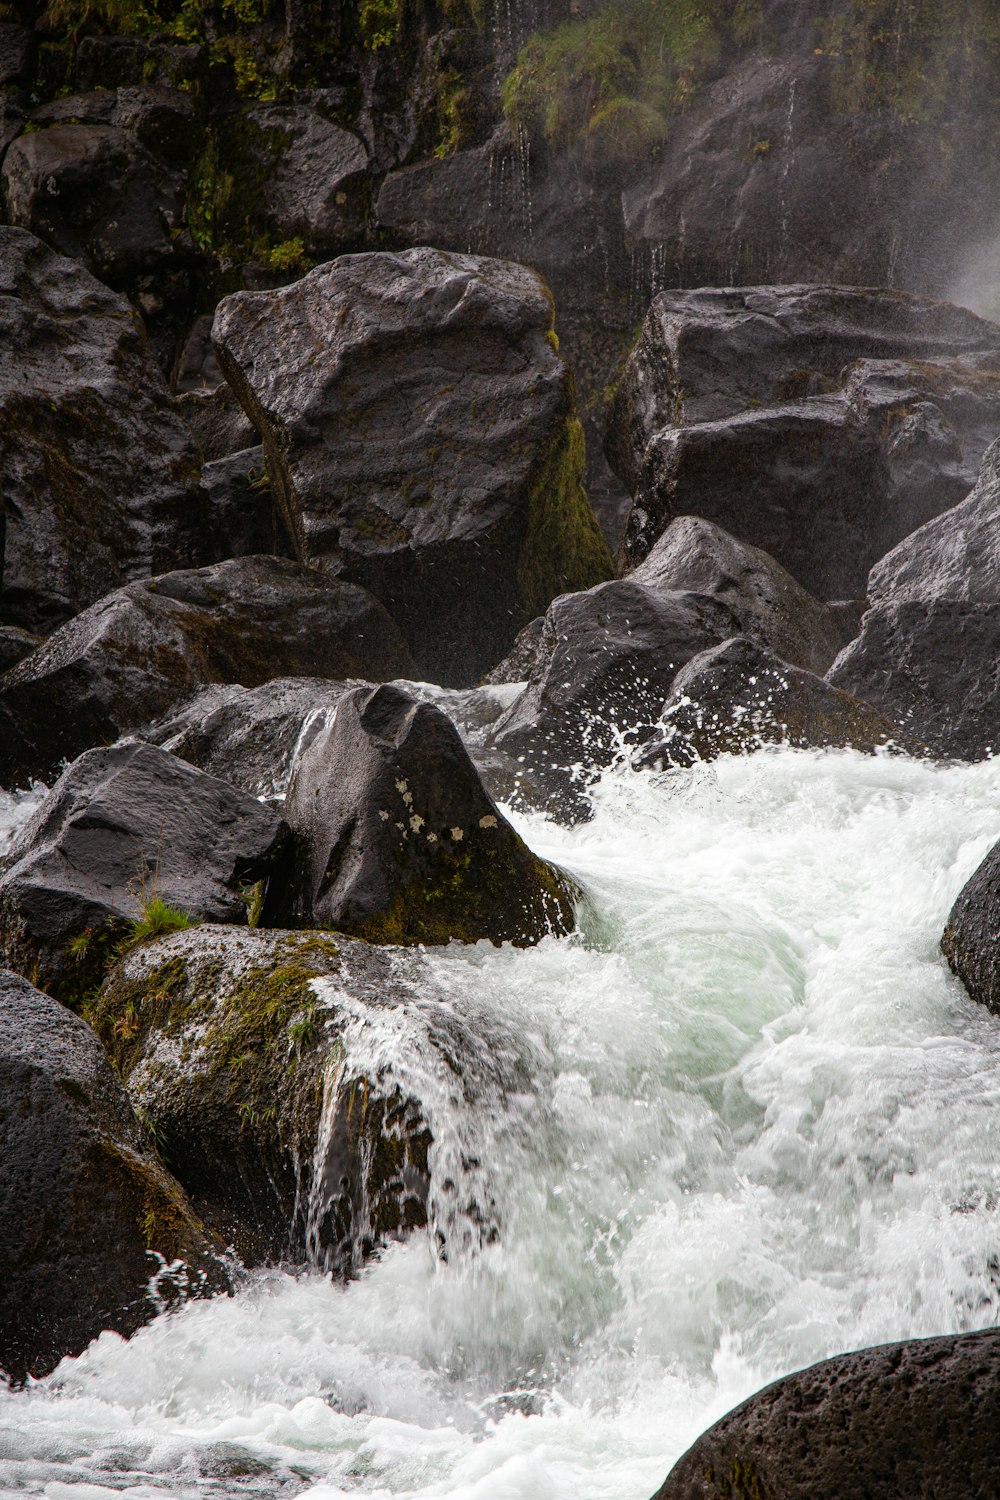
(421, 437)
(130, 658)
(100, 475)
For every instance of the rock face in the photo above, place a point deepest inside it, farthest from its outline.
(971, 941)
(313, 175)
(911, 1419)
(739, 697)
(120, 828)
(820, 423)
(421, 439)
(235, 1048)
(130, 658)
(100, 478)
(398, 840)
(694, 555)
(86, 1209)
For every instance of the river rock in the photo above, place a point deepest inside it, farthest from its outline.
(231, 1039)
(694, 555)
(87, 1212)
(930, 665)
(971, 941)
(398, 841)
(911, 1419)
(244, 519)
(100, 475)
(820, 423)
(131, 657)
(421, 438)
(314, 175)
(605, 665)
(739, 696)
(120, 829)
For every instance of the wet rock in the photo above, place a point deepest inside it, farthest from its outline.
(314, 176)
(219, 423)
(821, 423)
(236, 1050)
(87, 1211)
(971, 940)
(519, 662)
(930, 665)
(121, 829)
(421, 439)
(15, 644)
(398, 841)
(694, 555)
(739, 697)
(909, 1419)
(130, 658)
(17, 50)
(244, 519)
(955, 556)
(100, 476)
(605, 665)
(95, 193)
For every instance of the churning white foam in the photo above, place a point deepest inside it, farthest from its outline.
(744, 1120)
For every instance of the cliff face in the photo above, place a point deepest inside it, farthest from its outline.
(187, 150)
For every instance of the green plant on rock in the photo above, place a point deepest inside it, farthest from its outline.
(156, 918)
(121, 17)
(381, 22)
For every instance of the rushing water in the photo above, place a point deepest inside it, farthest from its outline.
(747, 1119)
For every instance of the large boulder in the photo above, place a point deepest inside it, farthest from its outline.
(421, 438)
(123, 832)
(398, 841)
(694, 555)
(913, 1419)
(739, 697)
(821, 423)
(930, 665)
(130, 658)
(94, 1233)
(971, 940)
(313, 176)
(233, 1041)
(100, 475)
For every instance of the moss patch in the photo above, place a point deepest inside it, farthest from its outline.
(563, 547)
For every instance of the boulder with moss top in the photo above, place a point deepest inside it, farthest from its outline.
(421, 437)
(913, 1419)
(129, 838)
(100, 475)
(232, 1041)
(94, 1232)
(398, 841)
(130, 658)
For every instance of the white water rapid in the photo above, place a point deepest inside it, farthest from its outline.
(758, 1123)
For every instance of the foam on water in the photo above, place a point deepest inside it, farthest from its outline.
(744, 1120)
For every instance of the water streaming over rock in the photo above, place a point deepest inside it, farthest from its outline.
(745, 1119)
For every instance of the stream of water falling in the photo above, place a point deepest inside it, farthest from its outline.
(758, 1123)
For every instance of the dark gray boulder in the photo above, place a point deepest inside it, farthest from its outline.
(122, 828)
(971, 940)
(87, 1211)
(605, 665)
(15, 644)
(694, 555)
(930, 665)
(130, 658)
(913, 1419)
(220, 425)
(398, 841)
(421, 439)
(739, 697)
(100, 477)
(243, 516)
(821, 423)
(314, 176)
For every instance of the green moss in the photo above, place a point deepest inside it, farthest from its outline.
(381, 22)
(563, 547)
(156, 918)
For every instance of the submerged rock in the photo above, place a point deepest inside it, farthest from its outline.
(421, 439)
(971, 940)
(100, 475)
(232, 1040)
(122, 830)
(398, 842)
(130, 658)
(94, 1233)
(738, 697)
(821, 423)
(913, 1419)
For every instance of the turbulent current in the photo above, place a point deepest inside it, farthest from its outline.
(745, 1119)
